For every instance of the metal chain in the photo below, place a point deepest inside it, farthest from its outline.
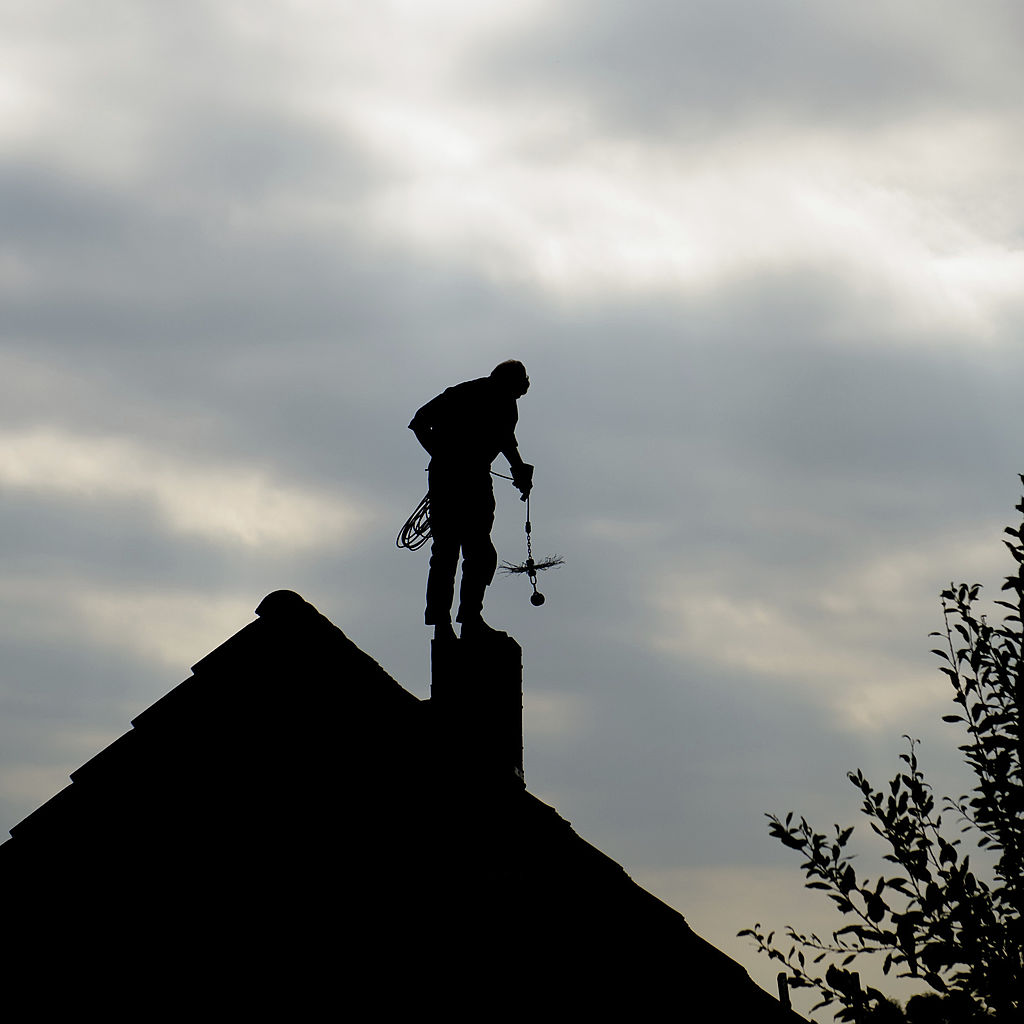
(530, 569)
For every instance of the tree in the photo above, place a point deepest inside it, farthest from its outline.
(933, 918)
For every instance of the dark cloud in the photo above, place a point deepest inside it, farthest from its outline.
(657, 66)
(672, 765)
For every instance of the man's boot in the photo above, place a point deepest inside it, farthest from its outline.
(475, 628)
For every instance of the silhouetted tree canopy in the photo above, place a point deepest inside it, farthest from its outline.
(933, 917)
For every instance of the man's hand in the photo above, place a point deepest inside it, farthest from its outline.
(522, 477)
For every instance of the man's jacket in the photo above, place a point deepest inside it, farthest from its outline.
(468, 424)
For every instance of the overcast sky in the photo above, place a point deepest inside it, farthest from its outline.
(763, 263)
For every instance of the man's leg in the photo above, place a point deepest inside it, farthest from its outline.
(444, 560)
(479, 559)
(444, 549)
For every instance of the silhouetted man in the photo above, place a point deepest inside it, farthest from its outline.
(463, 430)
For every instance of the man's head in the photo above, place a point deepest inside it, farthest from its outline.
(511, 375)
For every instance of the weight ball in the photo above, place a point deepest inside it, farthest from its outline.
(536, 599)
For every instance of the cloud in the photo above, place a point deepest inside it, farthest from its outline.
(701, 67)
(633, 218)
(233, 504)
(276, 194)
(161, 625)
(854, 643)
(555, 716)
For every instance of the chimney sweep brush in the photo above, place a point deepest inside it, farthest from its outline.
(531, 567)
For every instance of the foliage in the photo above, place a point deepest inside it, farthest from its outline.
(932, 917)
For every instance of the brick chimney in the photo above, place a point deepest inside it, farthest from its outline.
(476, 697)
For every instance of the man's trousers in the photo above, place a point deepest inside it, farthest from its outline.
(461, 517)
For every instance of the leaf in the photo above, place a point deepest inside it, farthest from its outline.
(849, 881)
(876, 907)
(793, 842)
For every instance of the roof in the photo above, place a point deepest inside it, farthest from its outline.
(289, 825)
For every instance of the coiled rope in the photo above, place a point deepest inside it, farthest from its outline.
(416, 531)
